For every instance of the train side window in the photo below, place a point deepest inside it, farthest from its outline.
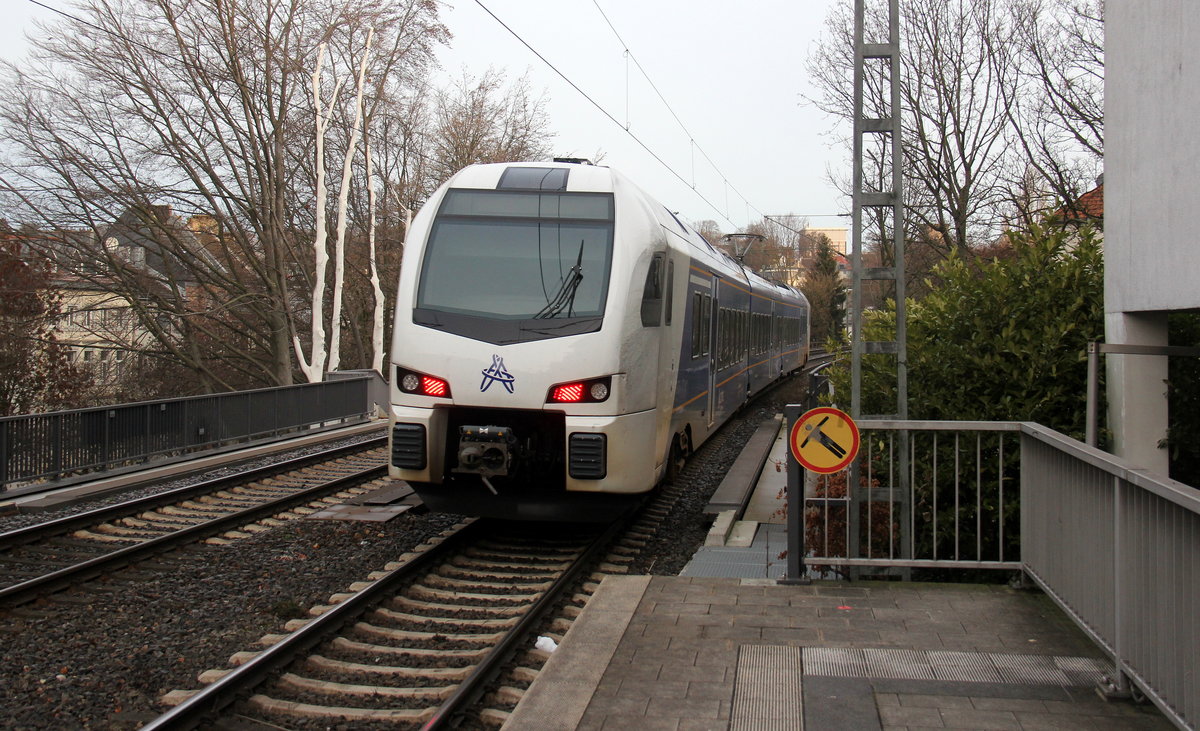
(670, 303)
(721, 351)
(706, 335)
(735, 324)
(719, 346)
(701, 323)
(652, 293)
(731, 352)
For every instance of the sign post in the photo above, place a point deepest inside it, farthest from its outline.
(822, 440)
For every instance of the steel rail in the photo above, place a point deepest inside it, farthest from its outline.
(469, 690)
(70, 523)
(211, 700)
(27, 590)
(225, 691)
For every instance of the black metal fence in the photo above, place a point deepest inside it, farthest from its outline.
(40, 448)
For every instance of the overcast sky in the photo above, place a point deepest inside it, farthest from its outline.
(733, 75)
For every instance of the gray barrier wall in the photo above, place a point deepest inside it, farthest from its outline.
(59, 446)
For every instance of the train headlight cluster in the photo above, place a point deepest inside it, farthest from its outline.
(580, 392)
(422, 384)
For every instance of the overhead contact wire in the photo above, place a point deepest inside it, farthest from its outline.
(601, 109)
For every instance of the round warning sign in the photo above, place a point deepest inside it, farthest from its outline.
(824, 440)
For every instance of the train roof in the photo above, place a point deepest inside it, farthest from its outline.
(583, 176)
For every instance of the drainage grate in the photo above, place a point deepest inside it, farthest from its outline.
(767, 693)
(974, 667)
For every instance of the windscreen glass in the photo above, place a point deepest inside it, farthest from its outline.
(519, 256)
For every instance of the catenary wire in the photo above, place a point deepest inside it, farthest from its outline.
(603, 111)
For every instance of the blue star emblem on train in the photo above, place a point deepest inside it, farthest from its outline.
(497, 372)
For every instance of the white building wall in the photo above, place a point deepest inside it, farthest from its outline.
(1151, 195)
(1152, 155)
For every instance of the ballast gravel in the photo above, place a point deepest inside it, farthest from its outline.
(103, 662)
(686, 526)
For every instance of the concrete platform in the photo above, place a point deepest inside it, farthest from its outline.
(725, 646)
(727, 653)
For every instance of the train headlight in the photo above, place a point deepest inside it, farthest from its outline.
(580, 392)
(422, 384)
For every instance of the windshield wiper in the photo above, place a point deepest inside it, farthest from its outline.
(564, 299)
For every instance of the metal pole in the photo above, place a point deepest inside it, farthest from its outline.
(796, 571)
(898, 219)
(901, 285)
(856, 267)
(4, 471)
(1121, 681)
(1093, 393)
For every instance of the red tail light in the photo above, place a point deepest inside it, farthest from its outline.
(435, 387)
(576, 392)
(422, 384)
(568, 393)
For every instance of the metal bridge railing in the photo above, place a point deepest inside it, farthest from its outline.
(953, 503)
(61, 445)
(1118, 549)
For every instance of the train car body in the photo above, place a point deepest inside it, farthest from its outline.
(562, 340)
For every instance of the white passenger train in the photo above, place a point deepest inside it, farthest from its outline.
(563, 341)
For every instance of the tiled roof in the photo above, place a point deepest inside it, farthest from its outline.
(1089, 205)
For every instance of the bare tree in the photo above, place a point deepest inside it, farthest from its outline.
(314, 367)
(165, 110)
(1058, 114)
(1001, 107)
(480, 120)
(955, 90)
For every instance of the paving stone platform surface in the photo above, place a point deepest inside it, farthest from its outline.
(694, 653)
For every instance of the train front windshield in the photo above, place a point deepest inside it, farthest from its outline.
(533, 264)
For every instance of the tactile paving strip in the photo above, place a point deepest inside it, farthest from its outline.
(963, 666)
(767, 693)
(976, 667)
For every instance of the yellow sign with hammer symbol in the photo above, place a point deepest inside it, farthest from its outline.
(824, 440)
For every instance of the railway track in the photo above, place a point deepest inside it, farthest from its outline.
(443, 633)
(59, 553)
(412, 648)
(420, 644)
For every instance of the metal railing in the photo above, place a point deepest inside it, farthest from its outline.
(62, 445)
(953, 503)
(1118, 549)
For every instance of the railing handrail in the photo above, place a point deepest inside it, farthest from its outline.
(68, 446)
(1109, 542)
(176, 399)
(1177, 492)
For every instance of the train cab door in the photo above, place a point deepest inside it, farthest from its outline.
(713, 350)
